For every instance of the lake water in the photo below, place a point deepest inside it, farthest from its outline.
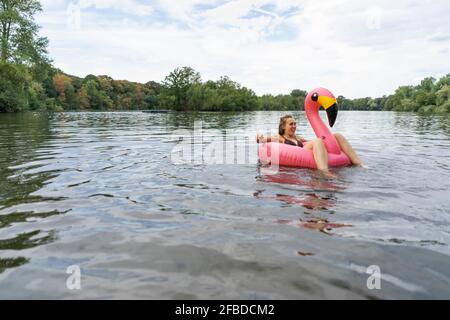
(175, 206)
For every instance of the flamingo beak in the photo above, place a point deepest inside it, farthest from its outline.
(330, 105)
(332, 114)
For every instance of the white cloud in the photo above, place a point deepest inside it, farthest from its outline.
(126, 6)
(354, 48)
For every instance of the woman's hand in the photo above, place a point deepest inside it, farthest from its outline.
(260, 138)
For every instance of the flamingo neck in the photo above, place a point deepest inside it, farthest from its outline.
(320, 128)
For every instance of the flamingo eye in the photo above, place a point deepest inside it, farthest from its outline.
(315, 97)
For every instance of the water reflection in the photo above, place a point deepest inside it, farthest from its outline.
(7, 220)
(21, 136)
(311, 201)
(28, 199)
(310, 179)
(22, 139)
(316, 193)
(10, 263)
(423, 124)
(319, 224)
(210, 120)
(27, 240)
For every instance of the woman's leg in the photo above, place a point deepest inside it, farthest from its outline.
(320, 153)
(348, 150)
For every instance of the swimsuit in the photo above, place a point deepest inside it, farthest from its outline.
(291, 143)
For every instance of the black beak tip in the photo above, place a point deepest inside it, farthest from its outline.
(332, 114)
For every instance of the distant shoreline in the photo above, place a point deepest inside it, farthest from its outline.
(183, 90)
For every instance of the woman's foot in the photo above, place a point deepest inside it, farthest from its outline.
(328, 174)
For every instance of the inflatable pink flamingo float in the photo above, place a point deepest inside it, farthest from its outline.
(286, 155)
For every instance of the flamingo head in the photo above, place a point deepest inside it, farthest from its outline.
(322, 97)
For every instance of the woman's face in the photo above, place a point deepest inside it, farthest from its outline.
(291, 126)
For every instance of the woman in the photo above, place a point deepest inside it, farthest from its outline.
(286, 134)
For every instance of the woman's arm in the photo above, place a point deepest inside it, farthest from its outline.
(300, 138)
(262, 139)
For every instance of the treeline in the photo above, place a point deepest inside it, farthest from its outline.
(430, 96)
(66, 92)
(19, 91)
(184, 90)
(28, 81)
(25, 88)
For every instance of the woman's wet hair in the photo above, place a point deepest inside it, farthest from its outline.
(282, 124)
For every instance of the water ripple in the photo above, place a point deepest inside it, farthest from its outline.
(100, 190)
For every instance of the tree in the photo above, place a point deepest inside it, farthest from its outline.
(59, 83)
(151, 101)
(225, 83)
(408, 104)
(83, 98)
(196, 97)
(443, 95)
(65, 91)
(98, 99)
(344, 103)
(14, 85)
(177, 84)
(36, 96)
(72, 102)
(427, 84)
(19, 38)
(445, 80)
(153, 86)
(299, 93)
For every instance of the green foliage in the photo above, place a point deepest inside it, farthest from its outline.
(221, 95)
(293, 101)
(443, 95)
(14, 86)
(19, 38)
(426, 109)
(407, 104)
(175, 87)
(24, 64)
(429, 96)
(299, 93)
(58, 92)
(37, 96)
(443, 108)
(95, 96)
(344, 103)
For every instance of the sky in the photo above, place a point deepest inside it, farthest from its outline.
(353, 48)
